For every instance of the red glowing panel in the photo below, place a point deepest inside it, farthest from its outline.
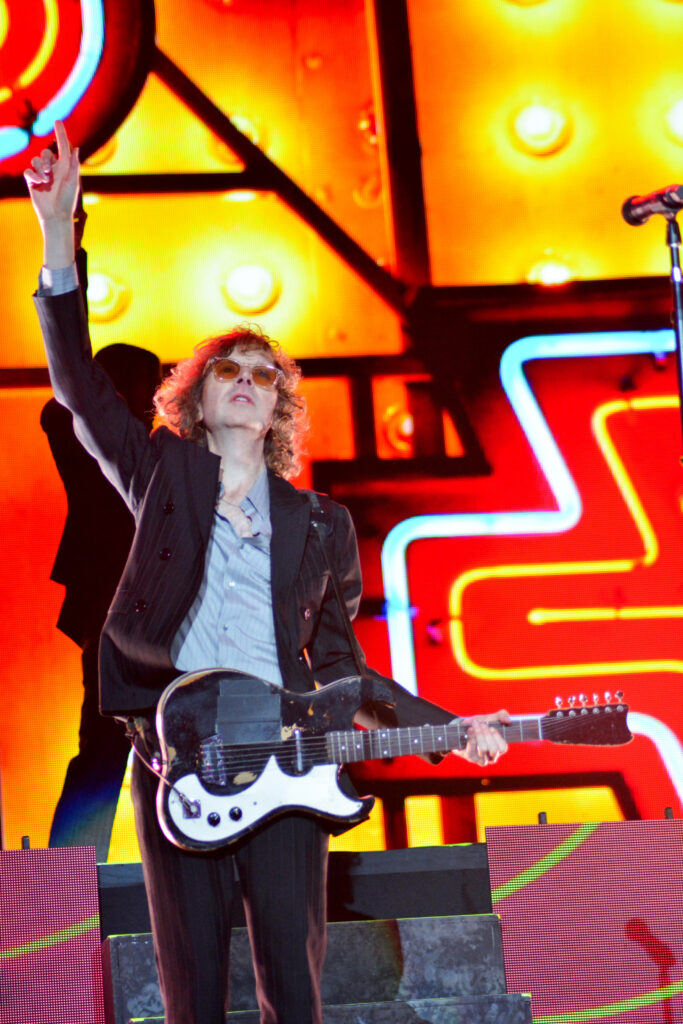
(82, 62)
(591, 918)
(40, 42)
(515, 621)
(41, 680)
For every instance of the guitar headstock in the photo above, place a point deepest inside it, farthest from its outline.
(596, 724)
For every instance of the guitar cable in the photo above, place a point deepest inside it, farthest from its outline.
(191, 808)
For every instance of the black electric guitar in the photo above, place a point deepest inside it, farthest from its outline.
(236, 751)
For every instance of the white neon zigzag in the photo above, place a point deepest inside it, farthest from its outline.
(562, 486)
(14, 140)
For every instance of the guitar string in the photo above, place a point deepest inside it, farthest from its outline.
(550, 727)
(253, 755)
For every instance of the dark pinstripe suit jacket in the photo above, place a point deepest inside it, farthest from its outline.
(171, 486)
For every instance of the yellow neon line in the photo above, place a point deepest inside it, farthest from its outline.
(5, 93)
(517, 571)
(650, 554)
(598, 668)
(4, 22)
(656, 402)
(621, 478)
(541, 616)
(47, 44)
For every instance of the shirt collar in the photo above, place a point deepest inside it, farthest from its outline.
(258, 497)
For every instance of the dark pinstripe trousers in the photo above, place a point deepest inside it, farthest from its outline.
(283, 874)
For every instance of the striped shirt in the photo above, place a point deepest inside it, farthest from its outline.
(230, 624)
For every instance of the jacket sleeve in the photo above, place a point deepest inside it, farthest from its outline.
(102, 421)
(330, 651)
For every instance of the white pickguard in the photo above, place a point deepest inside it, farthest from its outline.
(273, 791)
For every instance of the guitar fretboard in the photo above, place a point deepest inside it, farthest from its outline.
(373, 744)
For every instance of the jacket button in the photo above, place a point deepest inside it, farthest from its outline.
(169, 507)
(165, 554)
(306, 612)
(140, 605)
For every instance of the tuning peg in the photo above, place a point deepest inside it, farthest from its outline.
(583, 697)
(596, 698)
(619, 696)
(571, 701)
(558, 703)
(608, 697)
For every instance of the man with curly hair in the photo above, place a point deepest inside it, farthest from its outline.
(223, 572)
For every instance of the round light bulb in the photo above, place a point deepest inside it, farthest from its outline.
(540, 129)
(222, 152)
(108, 298)
(674, 122)
(399, 428)
(250, 288)
(549, 271)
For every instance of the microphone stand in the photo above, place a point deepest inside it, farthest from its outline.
(673, 241)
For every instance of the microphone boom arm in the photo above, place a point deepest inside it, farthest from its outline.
(637, 210)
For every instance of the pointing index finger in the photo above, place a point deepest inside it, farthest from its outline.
(63, 144)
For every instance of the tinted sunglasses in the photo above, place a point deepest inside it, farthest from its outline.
(263, 375)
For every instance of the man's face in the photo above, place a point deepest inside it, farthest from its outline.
(239, 403)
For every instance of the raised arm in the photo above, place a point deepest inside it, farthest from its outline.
(53, 184)
(102, 420)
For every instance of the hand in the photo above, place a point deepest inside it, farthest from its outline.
(484, 743)
(53, 181)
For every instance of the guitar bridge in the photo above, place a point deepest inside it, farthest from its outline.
(212, 765)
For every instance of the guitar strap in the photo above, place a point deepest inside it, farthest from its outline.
(322, 525)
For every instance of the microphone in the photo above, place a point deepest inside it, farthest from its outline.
(638, 209)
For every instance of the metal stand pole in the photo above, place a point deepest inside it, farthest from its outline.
(673, 240)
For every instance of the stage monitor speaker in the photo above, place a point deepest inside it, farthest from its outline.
(50, 952)
(591, 918)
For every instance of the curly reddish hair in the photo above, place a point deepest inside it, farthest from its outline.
(178, 396)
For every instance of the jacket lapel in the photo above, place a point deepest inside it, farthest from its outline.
(290, 516)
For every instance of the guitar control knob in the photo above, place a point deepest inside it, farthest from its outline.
(235, 813)
(214, 819)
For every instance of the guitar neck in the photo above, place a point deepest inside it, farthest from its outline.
(374, 744)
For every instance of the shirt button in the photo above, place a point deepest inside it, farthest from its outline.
(231, 583)
(169, 507)
(140, 605)
(165, 554)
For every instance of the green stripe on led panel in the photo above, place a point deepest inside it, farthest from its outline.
(612, 1009)
(543, 865)
(63, 935)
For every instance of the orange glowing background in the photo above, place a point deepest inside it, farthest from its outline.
(507, 196)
